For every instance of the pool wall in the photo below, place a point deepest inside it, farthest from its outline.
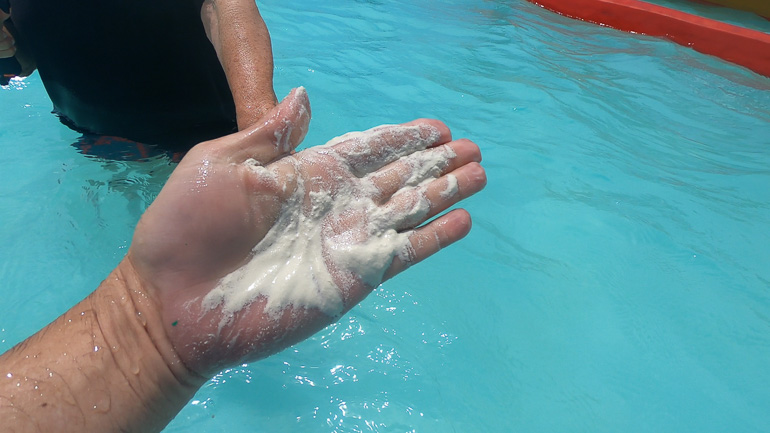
(742, 46)
(760, 7)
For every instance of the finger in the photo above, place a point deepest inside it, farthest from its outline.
(279, 134)
(411, 207)
(375, 148)
(431, 238)
(414, 169)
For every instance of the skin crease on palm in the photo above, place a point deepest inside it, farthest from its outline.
(336, 220)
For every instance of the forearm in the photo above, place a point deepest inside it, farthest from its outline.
(242, 42)
(105, 365)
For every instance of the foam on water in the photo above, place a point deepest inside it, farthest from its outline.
(616, 278)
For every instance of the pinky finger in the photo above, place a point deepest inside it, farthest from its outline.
(431, 238)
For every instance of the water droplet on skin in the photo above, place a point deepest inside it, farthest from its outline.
(103, 404)
(135, 368)
(142, 318)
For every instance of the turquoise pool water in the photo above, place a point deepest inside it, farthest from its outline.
(617, 277)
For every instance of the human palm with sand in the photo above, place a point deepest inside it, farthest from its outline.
(182, 304)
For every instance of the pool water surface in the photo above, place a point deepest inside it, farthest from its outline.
(617, 277)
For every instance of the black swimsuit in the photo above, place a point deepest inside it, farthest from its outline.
(139, 69)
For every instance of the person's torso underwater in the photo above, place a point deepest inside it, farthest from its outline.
(142, 70)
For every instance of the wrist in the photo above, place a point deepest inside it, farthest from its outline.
(129, 316)
(137, 309)
(104, 365)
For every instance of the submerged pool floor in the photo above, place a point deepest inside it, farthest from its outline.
(617, 276)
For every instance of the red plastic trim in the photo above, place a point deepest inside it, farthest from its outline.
(742, 46)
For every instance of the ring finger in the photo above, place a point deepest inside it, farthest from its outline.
(411, 207)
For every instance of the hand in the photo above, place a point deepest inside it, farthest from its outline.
(312, 232)
(7, 44)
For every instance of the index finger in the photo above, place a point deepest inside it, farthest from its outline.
(375, 148)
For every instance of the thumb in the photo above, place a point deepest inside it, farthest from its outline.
(283, 128)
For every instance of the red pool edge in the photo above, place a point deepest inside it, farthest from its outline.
(742, 46)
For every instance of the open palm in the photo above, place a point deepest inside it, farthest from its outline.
(251, 247)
